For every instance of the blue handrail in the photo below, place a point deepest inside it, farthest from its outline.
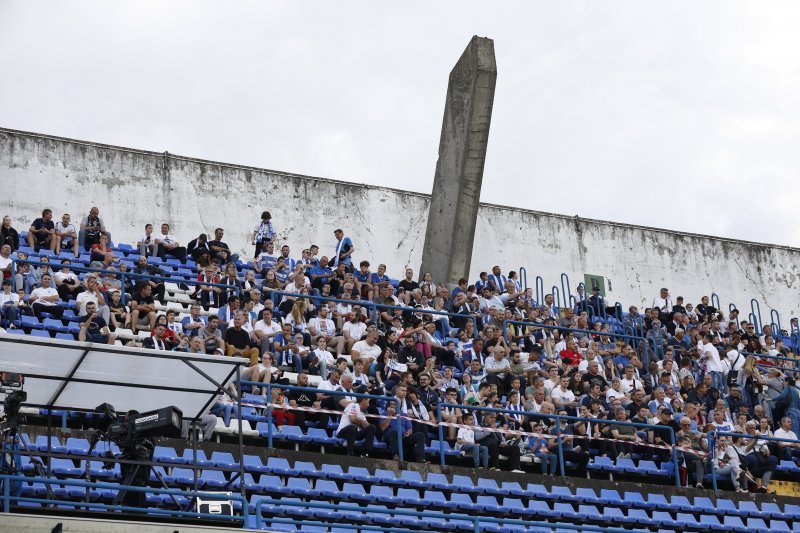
(539, 282)
(566, 290)
(556, 296)
(715, 301)
(476, 519)
(523, 277)
(712, 441)
(8, 497)
(755, 309)
(775, 317)
(558, 419)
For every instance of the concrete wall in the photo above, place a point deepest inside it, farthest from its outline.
(132, 187)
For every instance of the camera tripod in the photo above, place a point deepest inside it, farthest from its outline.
(11, 443)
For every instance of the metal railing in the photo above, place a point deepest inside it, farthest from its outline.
(558, 419)
(712, 442)
(478, 521)
(8, 498)
(270, 386)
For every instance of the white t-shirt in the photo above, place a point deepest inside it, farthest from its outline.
(69, 228)
(561, 395)
(168, 239)
(366, 350)
(268, 329)
(611, 394)
(83, 298)
(326, 385)
(735, 359)
(324, 326)
(351, 409)
(467, 435)
(324, 356)
(356, 329)
(713, 363)
(4, 262)
(781, 434)
(550, 385)
(628, 385)
(41, 292)
(61, 276)
(12, 297)
(583, 366)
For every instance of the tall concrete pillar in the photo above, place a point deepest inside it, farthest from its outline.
(459, 170)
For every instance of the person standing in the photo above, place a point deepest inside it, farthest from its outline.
(344, 250)
(263, 233)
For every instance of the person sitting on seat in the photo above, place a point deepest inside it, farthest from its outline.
(354, 426)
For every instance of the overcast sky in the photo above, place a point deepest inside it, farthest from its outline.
(681, 115)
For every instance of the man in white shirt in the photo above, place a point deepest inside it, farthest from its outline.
(354, 426)
(93, 294)
(169, 245)
(9, 304)
(45, 299)
(147, 243)
(563, 397)
(325, 360)
(629, 382)
(265, 330)
(366, 350)
(266, 260)
(497, 366)
(583, 366)
(787, 449)
(354, 328)
(663, 302)
(710, 355)
(323, 327)
(65, 236)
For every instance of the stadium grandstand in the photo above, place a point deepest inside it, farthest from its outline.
(318, 393)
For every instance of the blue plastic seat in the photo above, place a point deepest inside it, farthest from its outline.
(76, 446)
(788, 466)
(464, 501)
(757, 525)
(688, 520)
(280, 466)
(615, 515)
(224, 459)
(601, 463)
(201, 459)
(490, 504)
(650, 468)
(465, 484)
(334, 472)
(563, 494)
(65, 336)
(31, 322)
(328, 489)
(640, 516)
(306, 469)
(65, 467)
(186, 476)
(40, 333)
(438, 499)
(51, 324)
(710, 521)
(300, 486)
(540, 509)
(779, 526)
(751, 509)
(734, 523)
(165, 454)
(411, 497)
(413, 479)
(438, 481)
(489, 486)
(382, 493)
(320, 436)
(253, 463)
(214, 479)
(772, 510)
(294, 434)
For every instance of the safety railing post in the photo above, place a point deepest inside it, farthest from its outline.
(561, 465)
(566, 290)
(715, 301)
(556, 296)
(270, 422)
(712, 444)
(539, 282)
(399, 432)
(755, 309)
(122, 286)
(441, 436)
(674, 443)
(523, 276)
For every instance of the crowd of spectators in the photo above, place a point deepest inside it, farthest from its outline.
(693, 369)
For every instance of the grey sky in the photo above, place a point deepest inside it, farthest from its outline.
(681, 115)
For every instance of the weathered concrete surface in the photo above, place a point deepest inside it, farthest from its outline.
(133, 187)
(459, 170)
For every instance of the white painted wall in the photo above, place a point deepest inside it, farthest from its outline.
(133, 187)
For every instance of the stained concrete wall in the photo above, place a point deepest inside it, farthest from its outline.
(132, 187)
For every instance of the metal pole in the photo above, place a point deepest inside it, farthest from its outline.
(399, 432)
(712, 444)
(675, 457)
(269, 414)
(241, 437)
(560, 448)
(441, 436)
